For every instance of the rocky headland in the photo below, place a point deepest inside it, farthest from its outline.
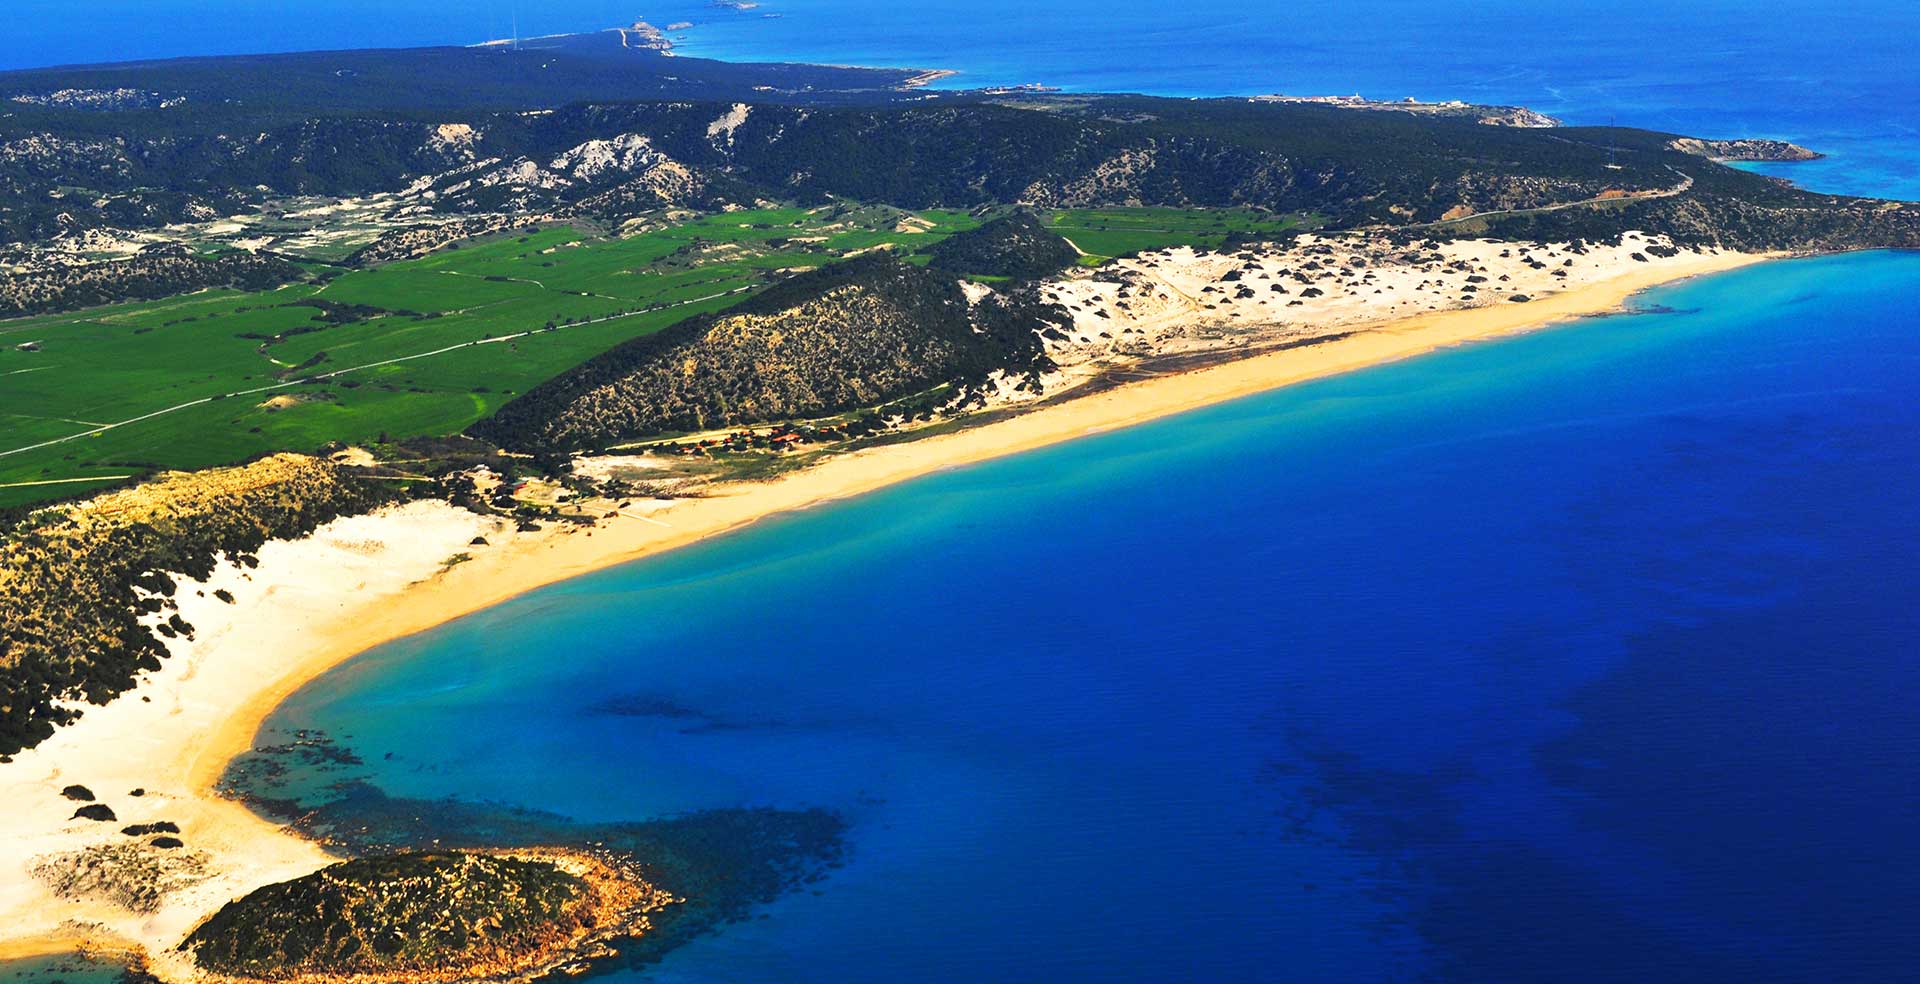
(430, 916)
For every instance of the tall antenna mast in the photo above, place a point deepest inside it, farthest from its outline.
(516, 27)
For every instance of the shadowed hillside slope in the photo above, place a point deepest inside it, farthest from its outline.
(1015, 246)
(148, 166)
(846, 336)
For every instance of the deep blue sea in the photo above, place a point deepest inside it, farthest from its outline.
(1588, 655)
(1584, 656)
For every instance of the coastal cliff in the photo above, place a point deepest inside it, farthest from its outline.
(1744, 150)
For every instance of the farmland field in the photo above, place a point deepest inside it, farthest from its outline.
(424, 346)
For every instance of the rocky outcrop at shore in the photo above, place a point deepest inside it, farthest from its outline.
(430, 916)
(1744, 150)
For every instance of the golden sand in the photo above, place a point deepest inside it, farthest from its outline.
(259, 662)
(495, 577)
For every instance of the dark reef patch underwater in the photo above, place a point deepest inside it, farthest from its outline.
(67, 969)
(1585, 656)
(1581, 656)
(723, 862)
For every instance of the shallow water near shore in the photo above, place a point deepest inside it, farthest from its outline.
(1578, 656)
(62, 969)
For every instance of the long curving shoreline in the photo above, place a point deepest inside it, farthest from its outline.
(500, 577)
(204, 710)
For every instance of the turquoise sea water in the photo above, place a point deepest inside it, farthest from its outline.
(59, 970)
(1584, 656)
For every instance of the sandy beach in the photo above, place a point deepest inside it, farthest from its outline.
(362, 581)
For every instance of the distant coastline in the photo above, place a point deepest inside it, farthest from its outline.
(1640, 460)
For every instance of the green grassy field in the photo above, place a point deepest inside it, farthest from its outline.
(1104, 233)
(430, 345)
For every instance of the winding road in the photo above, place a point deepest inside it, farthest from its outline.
(1686, 182)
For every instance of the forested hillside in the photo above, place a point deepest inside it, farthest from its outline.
(1017, 246)
(342, 124)
(843, 337)
(158, 273)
